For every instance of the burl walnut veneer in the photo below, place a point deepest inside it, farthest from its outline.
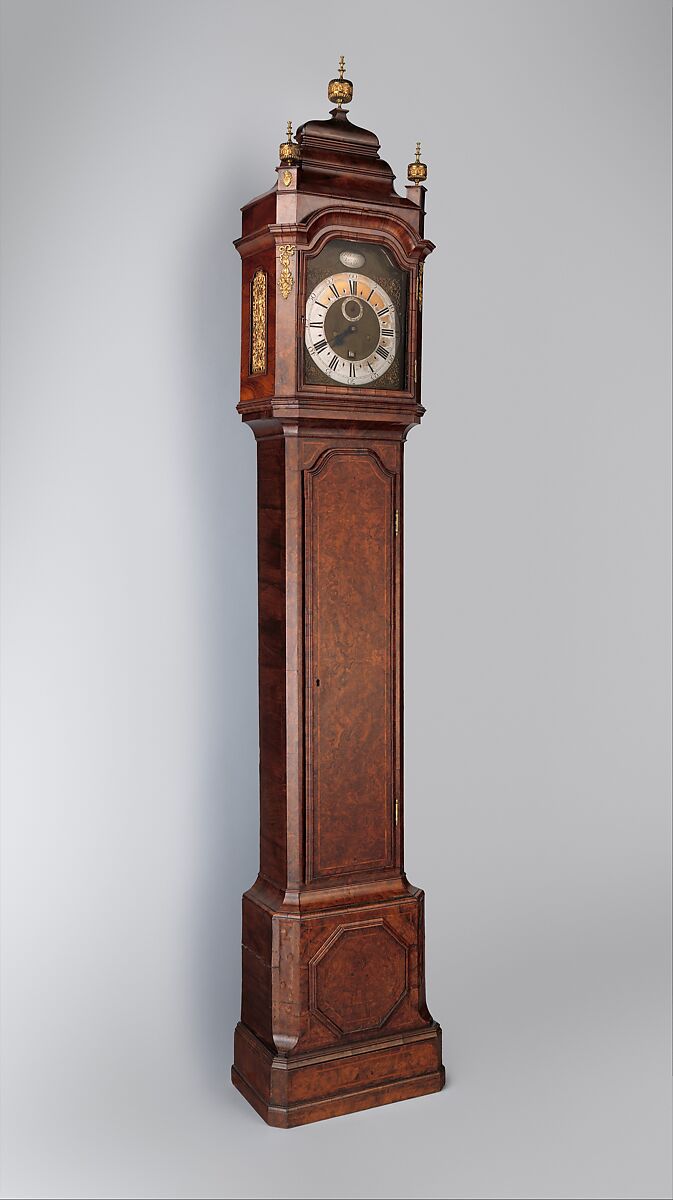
(334, 1017)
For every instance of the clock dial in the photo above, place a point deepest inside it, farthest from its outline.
(351, 328)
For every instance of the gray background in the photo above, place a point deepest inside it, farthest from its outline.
(537, 594)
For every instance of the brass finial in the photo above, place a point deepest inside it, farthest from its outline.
(417, 172)
(289, 151)
(340, 91)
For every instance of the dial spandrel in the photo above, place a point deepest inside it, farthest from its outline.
(355, 318)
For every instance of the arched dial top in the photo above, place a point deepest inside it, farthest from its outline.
(351, 328)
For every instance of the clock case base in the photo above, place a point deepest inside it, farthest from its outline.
(287, 1092)
(334, 1017)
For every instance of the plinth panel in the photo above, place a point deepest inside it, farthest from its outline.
(358, 978)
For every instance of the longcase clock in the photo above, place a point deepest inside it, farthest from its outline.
(334, 1017)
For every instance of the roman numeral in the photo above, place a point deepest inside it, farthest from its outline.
(381, 350)
(318, 325)
(334, 362)
(353, 285)
(320, 346)
(321, 305)
(370, 367)
(333, 289)
(371, 294)
(387, 332)
(351, 370)
(383, 311)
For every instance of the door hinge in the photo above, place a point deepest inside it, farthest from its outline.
(397, 521)
(397, 810)
(415, 379)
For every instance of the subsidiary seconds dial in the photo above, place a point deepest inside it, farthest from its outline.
(351, 329)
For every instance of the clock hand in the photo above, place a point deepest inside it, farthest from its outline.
(336, 341)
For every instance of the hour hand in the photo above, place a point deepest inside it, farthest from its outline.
(336, 341)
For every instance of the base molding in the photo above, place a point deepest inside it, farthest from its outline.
(289, 1091)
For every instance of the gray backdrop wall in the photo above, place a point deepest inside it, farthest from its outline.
(537, 597)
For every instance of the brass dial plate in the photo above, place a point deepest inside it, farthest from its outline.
(355, 318)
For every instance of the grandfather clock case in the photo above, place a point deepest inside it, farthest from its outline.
(334, 1017)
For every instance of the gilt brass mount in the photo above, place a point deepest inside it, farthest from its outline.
(340, 91)
(288, 150)
(417, 172)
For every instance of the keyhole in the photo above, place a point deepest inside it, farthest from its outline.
(317, 683)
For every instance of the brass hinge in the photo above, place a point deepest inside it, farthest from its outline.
(397, 521)
(415, 371)
(397, 810)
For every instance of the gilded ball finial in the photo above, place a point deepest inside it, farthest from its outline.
(340, 91)
(417, 172)
(289, 151)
